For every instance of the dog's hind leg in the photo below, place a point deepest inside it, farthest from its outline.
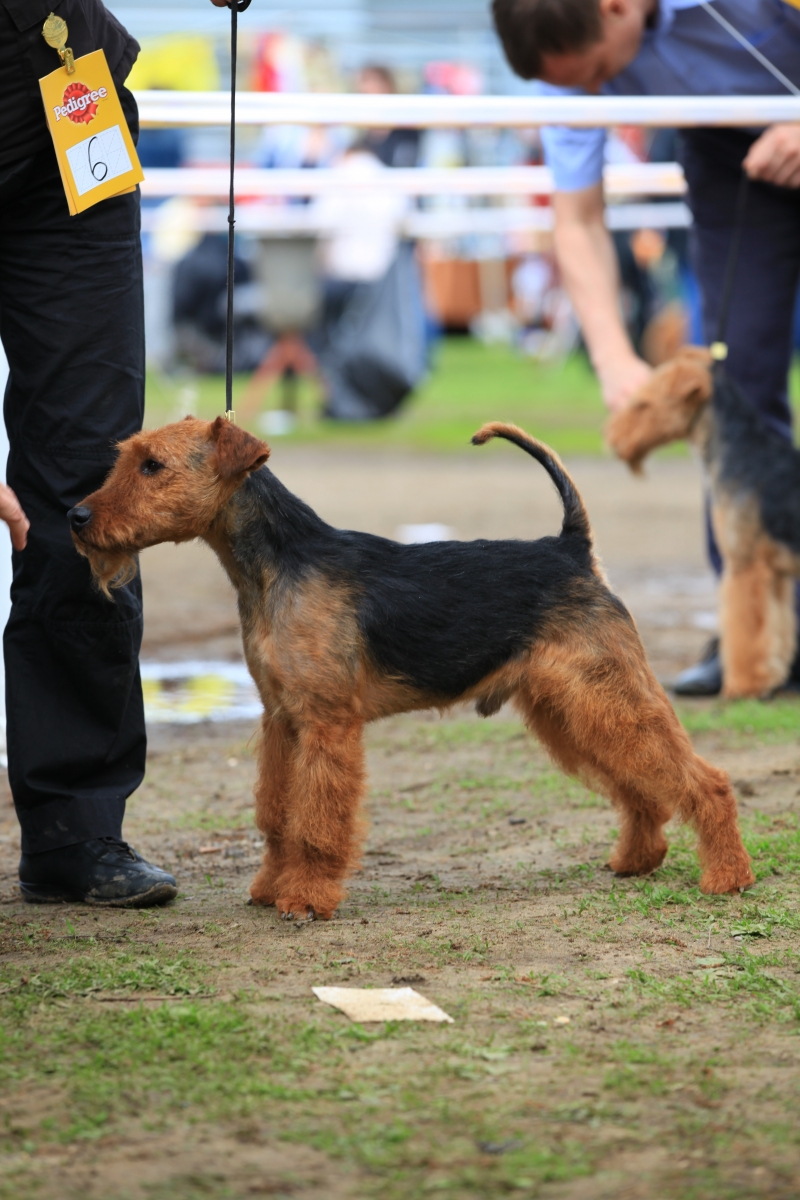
(641, 845)
(322, 823)
(596, 705)
(758, 625)
(276, 753)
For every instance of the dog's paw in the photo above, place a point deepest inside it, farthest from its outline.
(718, 881)
(263, 889)
(625, 866)
(304, 898)
(296, 913)
(292, 909)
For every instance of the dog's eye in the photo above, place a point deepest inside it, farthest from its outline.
(151, 467)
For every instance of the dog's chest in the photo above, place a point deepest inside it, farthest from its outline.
(303, 647)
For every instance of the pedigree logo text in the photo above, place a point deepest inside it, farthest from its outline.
(79, 105)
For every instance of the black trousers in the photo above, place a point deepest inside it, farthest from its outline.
(761, 321)
(72, 326)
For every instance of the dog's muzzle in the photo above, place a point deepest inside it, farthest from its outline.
(79, 517)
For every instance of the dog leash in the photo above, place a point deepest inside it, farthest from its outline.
(236, 6)
(751, 49)
(719, 347)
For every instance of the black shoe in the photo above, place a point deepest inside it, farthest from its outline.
(705, 677)
(102, 871)
(793, 682)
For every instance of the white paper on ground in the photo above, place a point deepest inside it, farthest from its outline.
(381, 1004)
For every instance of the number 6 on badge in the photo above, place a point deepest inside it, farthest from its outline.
(98, 159)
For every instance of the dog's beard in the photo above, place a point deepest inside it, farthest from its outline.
(110, 568)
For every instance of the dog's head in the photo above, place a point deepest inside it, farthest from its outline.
(665, 409)
(167, 485)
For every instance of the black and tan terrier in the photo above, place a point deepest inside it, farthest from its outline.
(753, 476)
(341, 628)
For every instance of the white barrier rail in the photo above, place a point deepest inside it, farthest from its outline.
(287, 221)
(267, 108)
(634, 179)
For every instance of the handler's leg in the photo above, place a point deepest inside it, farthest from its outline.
(760, 323)
(71, 322)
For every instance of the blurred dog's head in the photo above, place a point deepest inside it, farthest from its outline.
(665, 409)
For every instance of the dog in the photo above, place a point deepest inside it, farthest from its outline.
(341, 628)
(753, 476)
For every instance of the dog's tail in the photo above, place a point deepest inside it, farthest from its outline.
(576, 518)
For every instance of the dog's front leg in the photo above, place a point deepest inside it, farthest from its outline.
(322, 821)
(276, 754)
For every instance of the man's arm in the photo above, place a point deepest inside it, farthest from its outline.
(588, 264)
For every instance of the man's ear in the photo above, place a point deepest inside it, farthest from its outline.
(238, 452)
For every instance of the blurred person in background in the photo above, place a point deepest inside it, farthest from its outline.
(199, 308)
(283, 63)
(373, 338)
(181, 62)
(676, 47)
(392, 147)
(362, 225)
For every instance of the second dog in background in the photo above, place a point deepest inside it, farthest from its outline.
(753, 476)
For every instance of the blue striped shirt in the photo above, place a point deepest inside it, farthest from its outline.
(686, 53)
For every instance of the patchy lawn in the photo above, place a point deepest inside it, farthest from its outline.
(469, 384)
(612, 1037)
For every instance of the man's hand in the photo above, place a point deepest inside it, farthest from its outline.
(220, 3)
(589, 270)
(11, 512)
(775, 156)
(621, 379)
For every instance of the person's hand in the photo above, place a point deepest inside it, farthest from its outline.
(775, 156)
(220, 3)
(11, 512)
(621, 379)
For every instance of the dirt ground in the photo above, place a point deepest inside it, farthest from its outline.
(611, 1038)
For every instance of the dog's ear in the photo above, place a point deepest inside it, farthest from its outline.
(238, 452)
(664, 408)
(691, 379)
(624, 435)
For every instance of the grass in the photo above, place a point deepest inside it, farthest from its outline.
(102, 972)
(469, 384)
(594, 1018)
(767, 722)
(418, 1110)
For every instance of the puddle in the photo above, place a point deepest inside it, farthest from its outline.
(412, 535)
(183, 693)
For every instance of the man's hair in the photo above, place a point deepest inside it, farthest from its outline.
(530, 29)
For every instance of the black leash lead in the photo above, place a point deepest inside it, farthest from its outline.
(236, 6)
(719, 347)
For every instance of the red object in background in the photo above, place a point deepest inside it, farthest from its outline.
(456, 79)
(266, 75)
(635, 138)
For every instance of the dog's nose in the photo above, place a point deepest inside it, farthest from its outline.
(79, 517)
